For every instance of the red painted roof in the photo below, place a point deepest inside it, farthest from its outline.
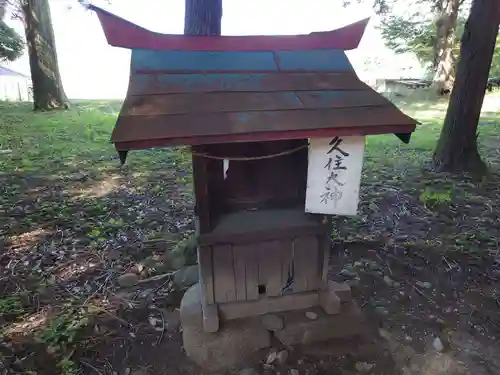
(122, 33)
(191, 90)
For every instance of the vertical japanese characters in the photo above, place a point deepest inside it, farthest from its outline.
(335, 167)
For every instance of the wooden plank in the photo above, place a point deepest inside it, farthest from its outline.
(156, 84)
(305, 257)
(314, 273)
(247, 101)
(224, 283)
(325, 246)
(205, 268)
(263, 235)
(269, 305)
(403, 131)
(286, 260)
(251, 271)
(201, 61)
(202, 199)
(262, 263)
(239, 260)
(270, 259)
(135, 128)
(315, 60)
(300, 258)
(233, 61)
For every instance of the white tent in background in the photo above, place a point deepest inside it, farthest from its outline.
(14, 86)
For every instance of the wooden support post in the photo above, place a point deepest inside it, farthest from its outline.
(324, 248)
(209, 308)
(329, 300)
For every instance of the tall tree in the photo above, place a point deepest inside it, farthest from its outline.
(48, 92)
(11, 43)
(444, 60)
(443, 15)
(203, 17)
(456, 150)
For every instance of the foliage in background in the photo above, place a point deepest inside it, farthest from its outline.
(11, 43)
(495, 64)
(417, 34)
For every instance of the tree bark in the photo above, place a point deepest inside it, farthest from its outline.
(444, 61)
(3, 8)
(203, 17)
(48, 92)
(456, 150)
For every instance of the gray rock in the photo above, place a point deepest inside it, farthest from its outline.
(293, 371)
(176, 259)
(424, 284)
(388, 281)
(187, 276)
(128, 280)
(438, 345)
(282, 357)
(311, 315)
(381, 310)
(348, 273)
(271, 358)
(231, 346)
(272, 322)
(191, 251)
(248, 371)
(364, 367)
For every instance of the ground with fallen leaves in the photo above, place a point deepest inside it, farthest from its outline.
(423, 255)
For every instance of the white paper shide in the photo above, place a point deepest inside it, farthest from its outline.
(334, 175)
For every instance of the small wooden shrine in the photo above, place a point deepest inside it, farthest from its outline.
(248, 106)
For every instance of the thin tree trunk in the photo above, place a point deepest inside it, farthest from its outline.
(456, 150)
(444, 61)
(48, 92)
(203, 17)
(3, 8)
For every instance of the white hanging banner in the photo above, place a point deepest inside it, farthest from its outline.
(334, 175)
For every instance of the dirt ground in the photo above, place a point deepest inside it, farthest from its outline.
(428, 312)
(87, 275)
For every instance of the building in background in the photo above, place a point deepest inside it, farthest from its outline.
(14, 86)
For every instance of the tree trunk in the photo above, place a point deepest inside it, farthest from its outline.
(444, 61)
(203, 17)
(3, 8)
(456, 150)
(48, 92)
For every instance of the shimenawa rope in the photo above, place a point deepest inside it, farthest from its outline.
(283, 153)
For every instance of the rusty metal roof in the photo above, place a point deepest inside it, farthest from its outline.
(168, 109)
(186, 97)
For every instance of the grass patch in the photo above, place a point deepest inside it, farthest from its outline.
(72, 219)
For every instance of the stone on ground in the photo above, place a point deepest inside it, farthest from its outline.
(128, 280)
(299, 329)
(186, 276)
(236, 340)
(272, 322)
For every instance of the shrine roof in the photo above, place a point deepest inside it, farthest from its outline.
(187, 90)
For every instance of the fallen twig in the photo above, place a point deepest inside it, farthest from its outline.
(88, 365)
(160, 338)
(422, 293)
(108, 277)
(155, 278)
